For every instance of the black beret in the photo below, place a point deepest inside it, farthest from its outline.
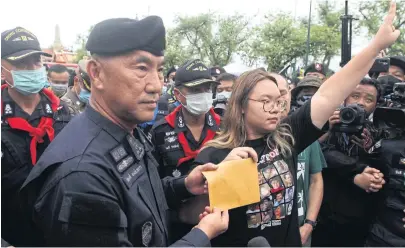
(121, 35)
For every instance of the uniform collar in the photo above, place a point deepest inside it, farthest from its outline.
(104, 123)
(210, 122)
(17, 111)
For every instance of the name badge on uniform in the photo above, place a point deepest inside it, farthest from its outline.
(136, 147)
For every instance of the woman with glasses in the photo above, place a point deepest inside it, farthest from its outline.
(252, 122)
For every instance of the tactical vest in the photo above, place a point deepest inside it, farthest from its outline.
(389, 222)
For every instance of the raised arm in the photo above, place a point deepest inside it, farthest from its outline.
(334, 91)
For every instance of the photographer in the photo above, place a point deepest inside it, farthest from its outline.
(223, 92)
(347, 209)
(389, 228)
(388, 79)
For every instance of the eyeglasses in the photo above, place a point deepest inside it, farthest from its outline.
(269, 105)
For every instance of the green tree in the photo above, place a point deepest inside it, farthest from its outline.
(281, 40)
(212, 38)
(372, 14)
(176, 53)
(326, 33)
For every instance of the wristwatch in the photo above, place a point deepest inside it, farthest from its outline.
(312, 223)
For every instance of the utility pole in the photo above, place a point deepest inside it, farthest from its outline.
(309, 34)
(346, 43)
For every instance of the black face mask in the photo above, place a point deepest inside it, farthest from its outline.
(387, 84)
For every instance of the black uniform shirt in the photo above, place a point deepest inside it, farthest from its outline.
(97, 185)
(16, 160)
(168, 149)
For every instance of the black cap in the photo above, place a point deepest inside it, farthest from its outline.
(398, 61)
(315, 67)
(216, 71)
(18, 43)
(117, 36)
(172, 69)
(193, 73)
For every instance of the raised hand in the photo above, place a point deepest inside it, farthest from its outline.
(387, 34)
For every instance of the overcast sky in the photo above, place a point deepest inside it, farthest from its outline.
(76, 16)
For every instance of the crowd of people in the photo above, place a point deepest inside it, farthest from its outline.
(113, 153)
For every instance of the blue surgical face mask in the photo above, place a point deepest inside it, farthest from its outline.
(84, 96)
(28, 81)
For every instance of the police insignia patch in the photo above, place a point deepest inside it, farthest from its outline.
(125, 163)
(176, 173)
(8, 110)
(118, 153)
(48, 109)
(136, 147)
(146, 233)
(210, 122)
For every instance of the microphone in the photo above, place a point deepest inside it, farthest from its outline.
(258, 242)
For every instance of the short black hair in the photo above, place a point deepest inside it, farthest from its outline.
(226, 77)
(57, 69)
(372, 82)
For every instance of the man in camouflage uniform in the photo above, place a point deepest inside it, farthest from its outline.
(78, 95)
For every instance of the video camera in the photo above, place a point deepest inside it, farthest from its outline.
(380, 65)
(352, 119)
(219, 104)
(397, 98)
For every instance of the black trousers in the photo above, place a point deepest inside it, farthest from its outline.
(330, 233)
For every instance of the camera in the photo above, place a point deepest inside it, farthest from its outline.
(352, 119)
(219, 104)
(397, 98)
(380, 65)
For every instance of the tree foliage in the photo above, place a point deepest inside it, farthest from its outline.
(210, 37)
(372, 14)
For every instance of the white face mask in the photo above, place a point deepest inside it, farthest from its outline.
(225, 94)
(199, 104)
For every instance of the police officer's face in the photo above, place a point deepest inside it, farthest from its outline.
(59, 78)
(129, 85)
(365, 96)
(32, 62)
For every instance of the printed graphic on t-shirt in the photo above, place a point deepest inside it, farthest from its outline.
(276, 185)
(300, 179)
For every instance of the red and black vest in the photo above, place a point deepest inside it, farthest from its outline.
(45, 126)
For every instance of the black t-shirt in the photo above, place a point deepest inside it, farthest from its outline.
(275, 217)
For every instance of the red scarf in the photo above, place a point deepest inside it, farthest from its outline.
(45, 125)
(190, 154)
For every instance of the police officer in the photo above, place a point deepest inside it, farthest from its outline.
(98, 183)
(395, 74)
(316, 70)
(181, 134)
(388, 228)
(78, 95)
(31, 117)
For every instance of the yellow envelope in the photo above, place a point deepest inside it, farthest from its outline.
(234, 184)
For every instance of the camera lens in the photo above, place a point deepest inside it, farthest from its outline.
(347, 115)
